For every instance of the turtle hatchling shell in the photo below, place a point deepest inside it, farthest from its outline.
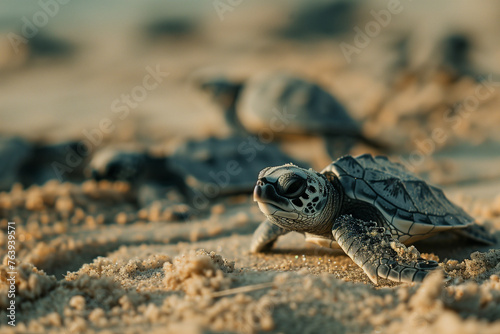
(412, 207)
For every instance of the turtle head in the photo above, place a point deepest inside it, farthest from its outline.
(295, 198)
(112, 164)
(223, 91)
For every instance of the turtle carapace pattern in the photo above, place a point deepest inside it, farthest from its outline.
(367, 206)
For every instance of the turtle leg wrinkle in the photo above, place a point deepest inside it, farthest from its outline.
(372, 249)
(265, 236)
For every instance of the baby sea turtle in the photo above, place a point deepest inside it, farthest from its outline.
(286, 105)
(365, 205)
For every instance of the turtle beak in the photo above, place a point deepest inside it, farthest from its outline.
(266, 192)
(270, 203)
(257, 191)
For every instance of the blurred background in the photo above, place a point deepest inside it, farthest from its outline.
(418, 81)
(419, 76)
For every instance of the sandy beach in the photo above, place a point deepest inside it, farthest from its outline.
(98, 256)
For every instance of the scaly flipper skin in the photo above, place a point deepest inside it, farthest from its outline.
(370, 248)
(265, 236)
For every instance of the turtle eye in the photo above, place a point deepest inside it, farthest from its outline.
(294, 187)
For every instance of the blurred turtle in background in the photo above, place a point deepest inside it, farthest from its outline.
(29, 163)
(286, 105)
(449, 56)
(14, 152)
(196, 173)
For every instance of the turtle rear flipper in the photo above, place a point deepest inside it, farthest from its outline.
(477, 233)
(373, 250)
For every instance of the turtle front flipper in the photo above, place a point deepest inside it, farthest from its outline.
(374, 251)
(265, 236)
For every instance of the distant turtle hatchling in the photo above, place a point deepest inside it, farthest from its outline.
(197, 172)
(28, 162)
(365, 205)
(287, 105)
